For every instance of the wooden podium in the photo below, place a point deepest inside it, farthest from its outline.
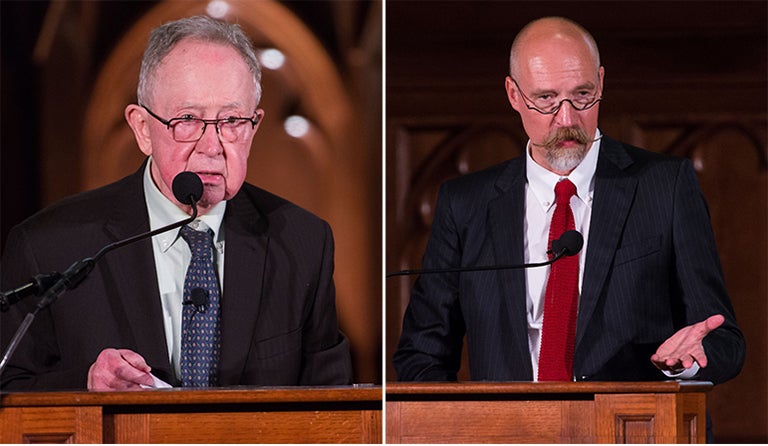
(231, 415)
(579, 412)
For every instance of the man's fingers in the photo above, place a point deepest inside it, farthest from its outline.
(135, 360)
(138, 372)
(687, 361)
(703, 328)
(665, 362)
(685, 346)
(713, 322)
(131, 375)
(119, 370)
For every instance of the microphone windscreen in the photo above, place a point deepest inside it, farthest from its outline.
(572, 241)
(187, 187)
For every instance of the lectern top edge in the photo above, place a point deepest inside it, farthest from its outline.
(476, 387)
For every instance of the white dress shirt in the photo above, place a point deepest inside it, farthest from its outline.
(172, 256)
(539, 207)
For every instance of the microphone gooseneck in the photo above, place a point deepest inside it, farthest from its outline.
(185, 184)
(570, 243)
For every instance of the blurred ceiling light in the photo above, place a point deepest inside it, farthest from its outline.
(217, 9)
(296, 126)
(272, 58)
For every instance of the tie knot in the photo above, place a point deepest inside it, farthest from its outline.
(564, 190)
(199, 241)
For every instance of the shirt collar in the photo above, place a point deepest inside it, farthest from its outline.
(542, 181)
(163, 212)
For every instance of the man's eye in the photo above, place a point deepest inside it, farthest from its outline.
(187, 117)
(544, 97)
(230, 120)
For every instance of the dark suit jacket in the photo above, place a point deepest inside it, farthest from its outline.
(279, 324)
(651, 268)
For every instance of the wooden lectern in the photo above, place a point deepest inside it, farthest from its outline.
(526, 412)
(231, 415)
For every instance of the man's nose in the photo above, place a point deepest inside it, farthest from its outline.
(210, 142)
(566, 114)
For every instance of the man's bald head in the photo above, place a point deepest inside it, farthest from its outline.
(540, 34)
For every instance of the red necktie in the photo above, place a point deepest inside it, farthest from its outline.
(559, 328)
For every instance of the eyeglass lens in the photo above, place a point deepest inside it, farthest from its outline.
(229, 130)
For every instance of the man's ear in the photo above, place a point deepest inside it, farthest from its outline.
(512, 94)
(601, 74)
(260, 117)
(137, 119)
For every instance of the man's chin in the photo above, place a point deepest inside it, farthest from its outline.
(566, 159)
(567, 152)
(210, 198)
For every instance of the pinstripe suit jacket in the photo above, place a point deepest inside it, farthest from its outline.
(278, 312)
(651, 269)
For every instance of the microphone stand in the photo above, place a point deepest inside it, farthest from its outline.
(36, 285)
(75, 274)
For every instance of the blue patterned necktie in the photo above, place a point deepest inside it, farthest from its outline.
(200, 327)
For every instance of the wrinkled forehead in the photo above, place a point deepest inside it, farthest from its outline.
(194, 67)
(191, 52)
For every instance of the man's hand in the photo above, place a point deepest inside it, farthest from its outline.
(119, 370)
(685, 347)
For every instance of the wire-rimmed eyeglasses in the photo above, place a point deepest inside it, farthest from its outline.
(189, 129)
(547, 104)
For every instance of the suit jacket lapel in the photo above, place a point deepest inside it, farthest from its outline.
(246, 249)
(506, 216)
(135, 296)
(614, 192)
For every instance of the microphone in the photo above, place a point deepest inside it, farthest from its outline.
(199, 298)
(187, 188)
(570, 243)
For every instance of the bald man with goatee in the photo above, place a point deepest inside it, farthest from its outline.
(644, 299)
